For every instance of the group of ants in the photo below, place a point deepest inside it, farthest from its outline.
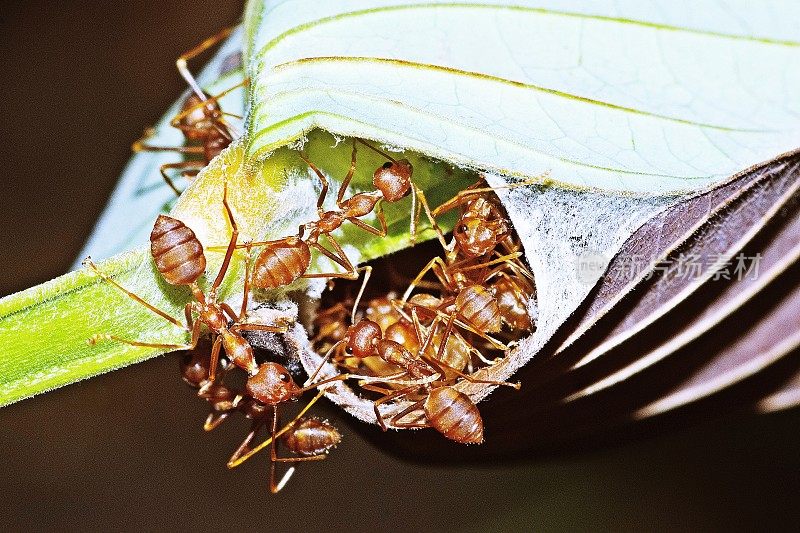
(413, 349)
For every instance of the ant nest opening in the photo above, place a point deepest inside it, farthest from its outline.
(430, 318)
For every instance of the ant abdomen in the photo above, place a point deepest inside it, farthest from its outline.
(478, 306)
(513, 304)
(177, 251)
(198, 121)
(454, 415)
(312, 436)
(281, 263)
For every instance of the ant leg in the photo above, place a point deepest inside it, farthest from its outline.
(231, 245)
(246, 293)
(228, 310)
(97, 337)
(463, 196)
(212, 367)
(324, 192)
(324, 360)
(185, 165)
(374, 388)
(399, 416)
(346, 181)
(244, 447)
(180, 63)
(431, 218)
(94, 339)
(248, 245)
(504, 260)
(88, 263)
(457, 200)
(244, 457)
(214, 420)
(318, 457)
(259, 327)
(273, 487)
(187, 311)
(435, 261)
(141, 145)
(367, 273)
(340, 258)
(397, 394)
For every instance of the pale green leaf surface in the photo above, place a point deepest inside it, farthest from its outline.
(44, 330)
(641, 97)
(141, 193)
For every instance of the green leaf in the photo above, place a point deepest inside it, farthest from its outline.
(44, 330)
(642, 98)
(628, 111)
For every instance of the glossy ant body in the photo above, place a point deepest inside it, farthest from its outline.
(425, 363)
(283, 261)
(304, 436)
(201, 120)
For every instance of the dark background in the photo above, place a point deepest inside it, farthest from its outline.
(125, 451)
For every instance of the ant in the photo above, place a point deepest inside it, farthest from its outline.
(483, 296)
(309, 438)
(201, 120)
(179, 258)
(283, 261)
(305, 436)
(365, 338)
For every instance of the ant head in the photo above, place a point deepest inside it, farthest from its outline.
(393, 179)
(199, 118)
(214, 144)
(271, 385)
(476, 237)
(362, 337)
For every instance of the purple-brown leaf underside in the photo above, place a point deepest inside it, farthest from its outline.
(644, 354)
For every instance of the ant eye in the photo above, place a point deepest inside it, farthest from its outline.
(284, 378)
(388, 164)
(462, 228)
